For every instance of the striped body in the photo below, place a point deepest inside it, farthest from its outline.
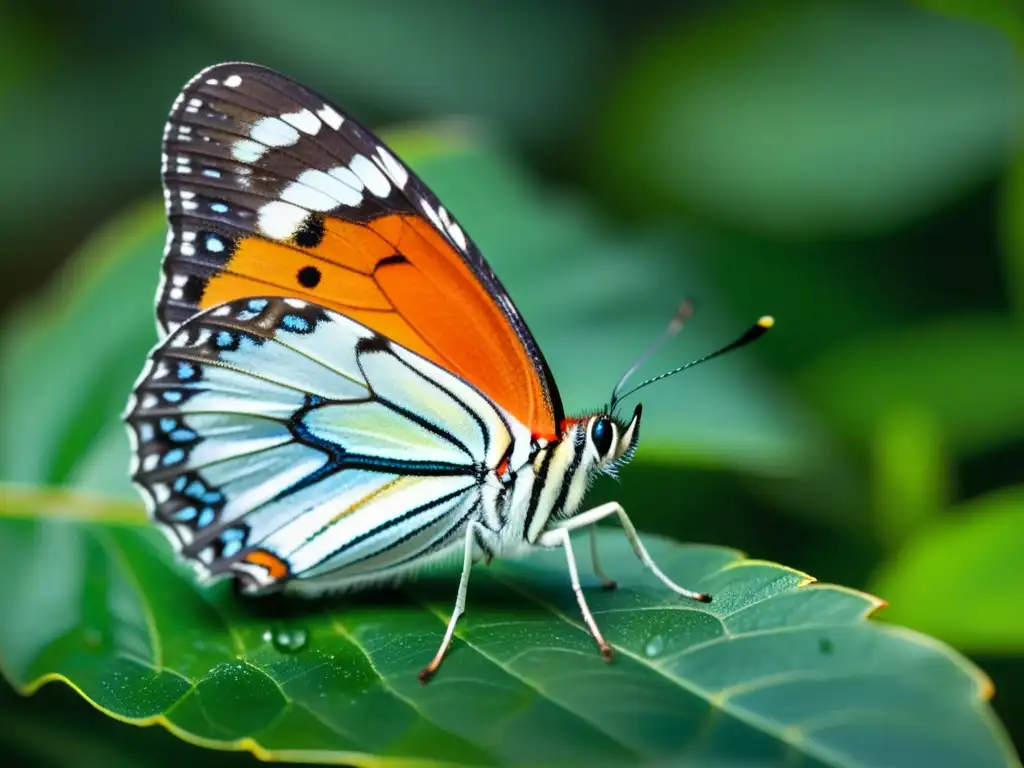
(290, 445)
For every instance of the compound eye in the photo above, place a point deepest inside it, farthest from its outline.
(601, 433)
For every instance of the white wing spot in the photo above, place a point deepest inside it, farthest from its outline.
(345, 176)
(394, 169)
(304, 120)
(247, 151)
(306, 196)
(179, 280)
(457, 235)
(323, 191)
(280, 220)
(297, 303)
(212, 81)
(274, 132)
(232, 81)
(431, 214)
(330, 116)
(370, 175)
(223, 311)
(177, 294)
(187, 249)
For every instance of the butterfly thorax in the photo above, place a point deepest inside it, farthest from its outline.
(551, 486)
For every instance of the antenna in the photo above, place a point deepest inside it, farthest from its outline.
(675, 325)
(756, 331)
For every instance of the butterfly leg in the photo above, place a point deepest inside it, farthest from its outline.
(460, 605)
(559, 537)
(606, 582)
(614, 508)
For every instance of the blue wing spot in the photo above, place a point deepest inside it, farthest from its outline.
(185, 370)
(258, 305)
(182, 435)
(295, 323)
(224, 339)
(218, 207)
(245, 315)
(167, 424)
(212, 497)
(172, 397)
(213, 173)
(173, 456)
(185, 514)
(233, 533)
(180, 483)
(205, 517)
(231, 548)
(214, 244)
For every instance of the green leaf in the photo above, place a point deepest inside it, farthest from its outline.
(811, 118)
(533, 62)
(593, 298)
(1005, 15)
(1012, 226)
(55, 726)
(962, 577)
(68, 361)
(963, 373)
(910, 472)
(776, 670)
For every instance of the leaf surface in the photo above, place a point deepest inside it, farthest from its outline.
(775, 670)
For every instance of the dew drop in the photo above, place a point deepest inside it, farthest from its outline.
(287, 639)
(654, 646)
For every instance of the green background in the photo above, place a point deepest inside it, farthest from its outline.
(854, 168)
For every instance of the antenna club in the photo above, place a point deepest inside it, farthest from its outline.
(766, 322)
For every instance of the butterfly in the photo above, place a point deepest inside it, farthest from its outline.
(343, 392)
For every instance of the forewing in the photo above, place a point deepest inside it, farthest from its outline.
(271, 190)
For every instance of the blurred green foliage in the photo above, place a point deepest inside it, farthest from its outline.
(855, 168)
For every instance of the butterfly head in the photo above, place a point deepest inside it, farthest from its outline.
(609, 442)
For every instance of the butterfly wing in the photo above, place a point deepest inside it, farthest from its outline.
(278, 440)
(270, 190)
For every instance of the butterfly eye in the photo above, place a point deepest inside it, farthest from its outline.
(601, 434)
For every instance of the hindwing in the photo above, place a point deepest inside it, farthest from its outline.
(276, 439)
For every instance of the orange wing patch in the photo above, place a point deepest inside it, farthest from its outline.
(400, 277)
(276, 567)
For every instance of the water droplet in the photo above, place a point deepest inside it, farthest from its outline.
(654, 646)
(287, 639)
